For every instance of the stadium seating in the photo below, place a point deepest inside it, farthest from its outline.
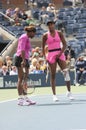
(72, 19)
(77, 45)
(69, 29)
(67, 3)
(80, 35)
(35, 13)
(41, 3)
(0, 5)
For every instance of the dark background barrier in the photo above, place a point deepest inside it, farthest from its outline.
(38, 80)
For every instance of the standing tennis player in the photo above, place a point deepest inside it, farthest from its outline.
(56, 47)
(22, 60)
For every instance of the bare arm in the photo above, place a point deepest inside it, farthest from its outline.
(23, 58)
(63, 42)
(23, 55)
(44, 38)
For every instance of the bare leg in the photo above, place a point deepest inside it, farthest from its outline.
(23, 99)
(68, 86)
(20, 77)
(25, 78)
(52, 77)
(62, 65)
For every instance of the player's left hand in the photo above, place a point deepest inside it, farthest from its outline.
(57, 57)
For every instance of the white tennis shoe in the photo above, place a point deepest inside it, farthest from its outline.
(30, 101)
(20, 101)
(55, 99)
(25, 102)
(69, 95)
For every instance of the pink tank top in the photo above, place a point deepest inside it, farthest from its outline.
(24, 44)
(53, 42)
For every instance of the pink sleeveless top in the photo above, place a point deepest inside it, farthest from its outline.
(53, 42)
(24, 44)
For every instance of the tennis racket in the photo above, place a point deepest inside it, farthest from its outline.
(47, 73)
(28, 86)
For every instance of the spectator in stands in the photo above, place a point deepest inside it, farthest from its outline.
(75, 2)
(43, 16)
(83, 53)
(9, 65)
(4, 70)
(30, 20)
(35, 55)
(17, 16)
(68, 61)
(9, 12)
(37, 50)
(55, 55)
(33, 65)
(24, 16)
(22, 56)
(40, 54)
(51, 9)
(80, 70)
(38, 69)
(13, 71)
(1, 64)
(33, 2)
(43, 65)
(70, 51)
(27, 3)
(7, 58)
(84, 75)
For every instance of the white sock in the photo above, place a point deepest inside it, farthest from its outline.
(21, 96)
(25, 96)
(54, 95)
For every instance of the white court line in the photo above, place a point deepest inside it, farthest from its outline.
(44, 96)
(78, 129)
(10, 100)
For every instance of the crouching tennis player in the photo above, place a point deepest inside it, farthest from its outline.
(22, 59)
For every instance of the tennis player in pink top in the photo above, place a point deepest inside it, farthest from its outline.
(56, 46)
(22, 59)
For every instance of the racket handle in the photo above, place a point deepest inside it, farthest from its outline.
(24, 70)
(46, 78)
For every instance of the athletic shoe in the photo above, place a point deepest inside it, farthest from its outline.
(69, 95)
(55, 99)
(85, 83)
(30, 101)
(20, 101)
(77, 84)
(23, 102)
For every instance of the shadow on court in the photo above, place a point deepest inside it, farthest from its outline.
(45, 115)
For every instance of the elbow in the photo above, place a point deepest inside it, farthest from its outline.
(65, 46)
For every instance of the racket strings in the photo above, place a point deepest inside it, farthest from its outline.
(24, 82)
(27, 87)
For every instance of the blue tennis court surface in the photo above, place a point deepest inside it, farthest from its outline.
(45, 115)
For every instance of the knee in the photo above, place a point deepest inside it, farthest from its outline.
(53, 76)
(66, 75)
(20, 79)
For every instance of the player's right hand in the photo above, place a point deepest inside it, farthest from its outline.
(23, 63)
